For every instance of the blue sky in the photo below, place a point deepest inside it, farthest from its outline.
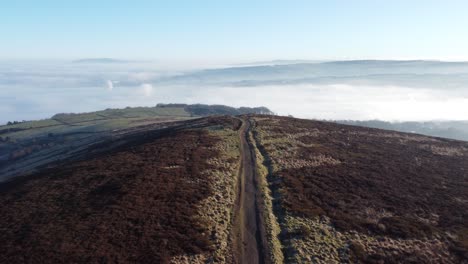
(234, 30)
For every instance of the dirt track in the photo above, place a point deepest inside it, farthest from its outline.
(248, 231)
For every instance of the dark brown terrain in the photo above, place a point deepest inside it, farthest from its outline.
(253, 189)
(345, 193)
(139, 203)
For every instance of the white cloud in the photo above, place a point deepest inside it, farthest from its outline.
(147, 89)
(110, 85)
(342, 101)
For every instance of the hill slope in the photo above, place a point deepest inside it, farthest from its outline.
(349, 193)
(27, 146)
(159, 196)
(305, 191)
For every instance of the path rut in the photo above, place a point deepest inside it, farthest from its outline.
(249, 232)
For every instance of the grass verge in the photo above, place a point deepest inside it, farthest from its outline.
(272, 227)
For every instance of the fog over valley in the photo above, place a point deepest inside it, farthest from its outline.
(342, 90)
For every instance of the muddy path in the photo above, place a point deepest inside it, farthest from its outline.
(249, 234)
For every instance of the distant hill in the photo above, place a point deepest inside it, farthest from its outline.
(206, 110)
(446, 129)
(100, 60)
(418, 73)
(276, 62)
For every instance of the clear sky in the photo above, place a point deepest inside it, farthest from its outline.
(235, 30)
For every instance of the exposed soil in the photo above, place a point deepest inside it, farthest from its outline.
(248, 230)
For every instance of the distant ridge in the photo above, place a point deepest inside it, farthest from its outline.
(277, 62)
(99, 60)
(348, 62)
(395, 62)
(406, 73)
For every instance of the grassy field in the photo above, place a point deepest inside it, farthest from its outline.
(22, 141)
(91, 122)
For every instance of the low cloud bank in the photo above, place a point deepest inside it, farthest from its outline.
(345, 101)
(37, 91)
(306, 101)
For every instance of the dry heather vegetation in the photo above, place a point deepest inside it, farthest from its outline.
(344, 194)
(166, 200)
